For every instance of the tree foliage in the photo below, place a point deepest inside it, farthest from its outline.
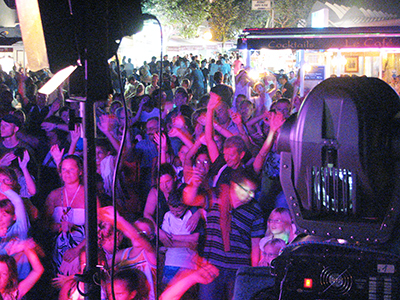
(249, 18)
(289, 13)
(226, 18)
(230, 17)
(185, 16)
(223, 14)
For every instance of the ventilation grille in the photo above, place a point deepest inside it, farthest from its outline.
(335, 281)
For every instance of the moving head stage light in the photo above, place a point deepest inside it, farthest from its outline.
(340, 164)
(340, 174)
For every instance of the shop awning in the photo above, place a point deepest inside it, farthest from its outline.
(177, 44)
(319, 38)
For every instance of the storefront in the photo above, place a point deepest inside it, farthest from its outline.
(11, 48)
(318, 53)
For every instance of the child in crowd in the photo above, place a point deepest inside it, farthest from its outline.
(131, 284)
(182, 242)
(13, 217)
(269, 251)
(141, 255)
(68, 284)
(279, 226)
(14, 222)
(10, 287)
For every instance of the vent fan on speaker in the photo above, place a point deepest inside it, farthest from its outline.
(335, 281)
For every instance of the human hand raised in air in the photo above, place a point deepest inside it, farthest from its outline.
(56, 153)
(7, 158)
(162, 140)
(214, 101)
(23, 163)
(276, 120)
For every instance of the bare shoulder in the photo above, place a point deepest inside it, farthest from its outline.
(153, 193)
(54, 198)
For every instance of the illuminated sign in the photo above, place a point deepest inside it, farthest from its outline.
(319, 43)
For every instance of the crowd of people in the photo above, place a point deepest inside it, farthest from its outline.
(199, 172)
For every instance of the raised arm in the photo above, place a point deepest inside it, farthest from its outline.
(130, 231)
(54, 107)
(271, 92)
(20, 212)
(140, 109)
(179, 133)
(192, 151)
(257, 119)
(211, 145)
(275, 120)
(223, 131)
(23, 164)
(57, 154)
(75, 135)
(105, 127)
(150, 206)
(237, 119)
(164, 147)
(37, 269)
(205, 274)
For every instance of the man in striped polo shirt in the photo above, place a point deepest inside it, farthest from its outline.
(233, 230)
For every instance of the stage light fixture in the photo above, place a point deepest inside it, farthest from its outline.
(57, 80)
(340, 161)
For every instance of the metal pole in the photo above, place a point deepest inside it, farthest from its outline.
(273, 13)
(97, 83)
(302, 63)
(89, 150)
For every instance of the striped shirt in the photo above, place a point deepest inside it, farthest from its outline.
(247, 223)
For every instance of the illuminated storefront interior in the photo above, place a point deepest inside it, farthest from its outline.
(323, 52)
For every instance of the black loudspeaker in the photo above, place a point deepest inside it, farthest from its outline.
(59, 30)
(77, 84)
(331, 271)
(254, 283)
(65, 25)
(87, 33)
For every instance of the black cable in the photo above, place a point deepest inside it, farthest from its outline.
(283, 281)
(119, 155)
(151, 17)
(117, 166)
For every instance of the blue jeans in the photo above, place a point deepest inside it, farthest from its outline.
(169, 272)
(221, 288)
